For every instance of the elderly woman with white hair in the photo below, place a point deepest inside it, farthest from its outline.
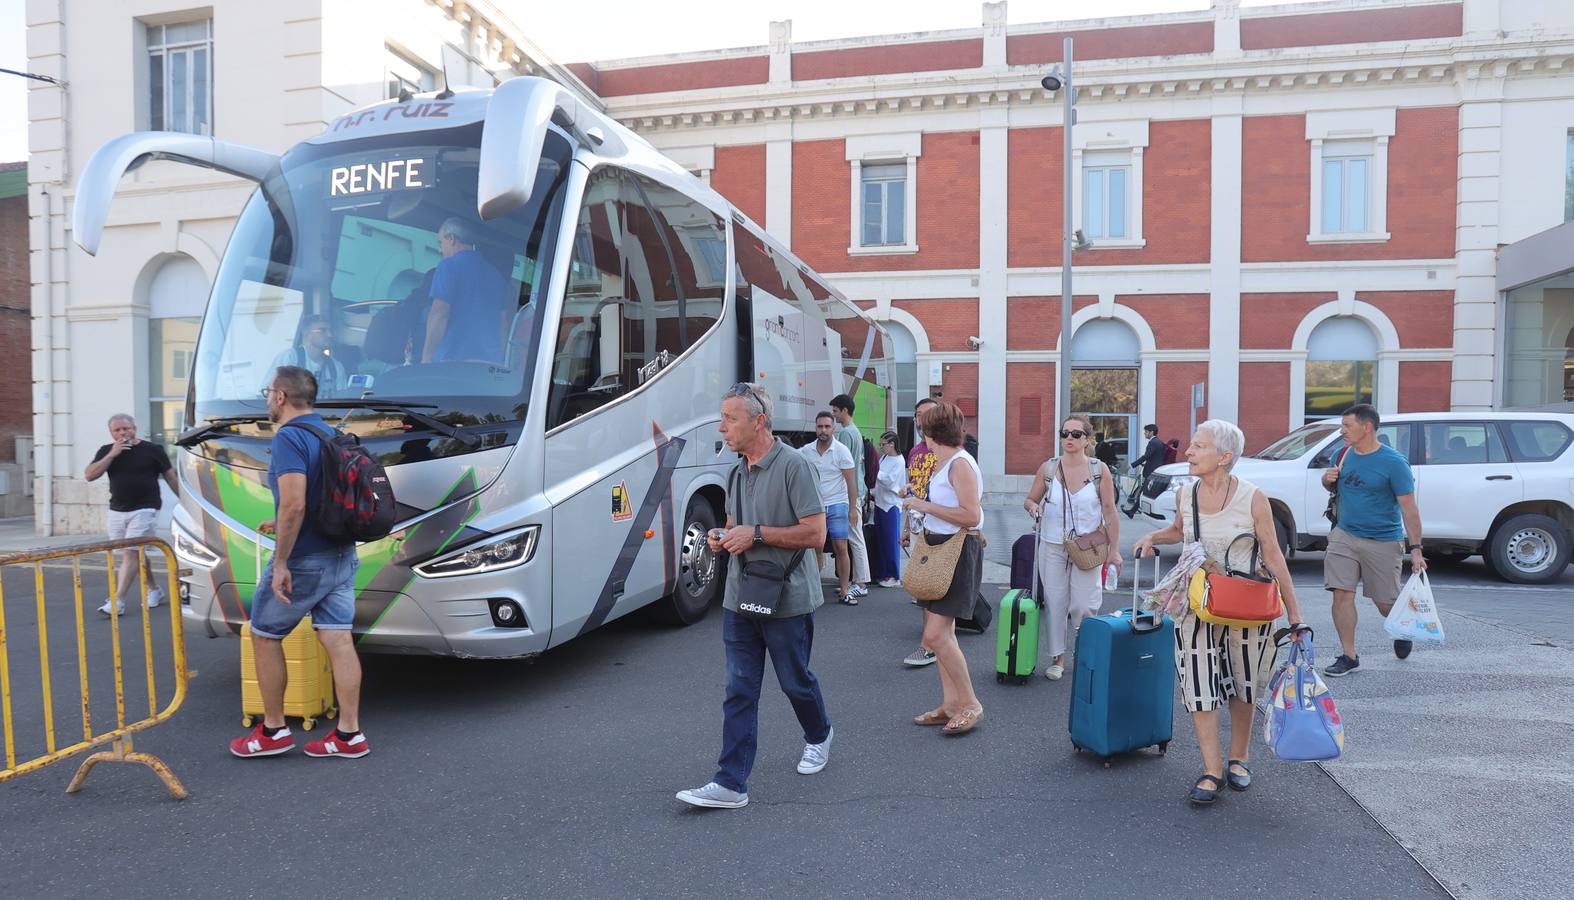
(1218, 663)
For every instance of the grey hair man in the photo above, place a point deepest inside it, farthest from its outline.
(134, 467)
(774, 516)
(469, 313)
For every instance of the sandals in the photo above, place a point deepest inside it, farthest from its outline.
(1238, 782)
(964, 721)
(933, 717)
(1202, 796)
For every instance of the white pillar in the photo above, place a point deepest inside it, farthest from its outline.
(995, 35)
(1226, 29)
(992, 225)
(1224, 304)
(781, 52)
(778, 182)
(1476, 237)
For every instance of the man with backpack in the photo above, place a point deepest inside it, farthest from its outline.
(311, 573)
(848, 435)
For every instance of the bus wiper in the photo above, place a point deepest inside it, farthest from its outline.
(409, 409)
(212, 427)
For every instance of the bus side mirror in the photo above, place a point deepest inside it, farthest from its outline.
(514, 134)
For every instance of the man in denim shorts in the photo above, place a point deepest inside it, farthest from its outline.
(317, 578)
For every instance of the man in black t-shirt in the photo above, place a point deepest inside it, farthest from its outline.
(134, 467)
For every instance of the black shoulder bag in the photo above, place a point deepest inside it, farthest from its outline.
(761, 582)
(1332, 512)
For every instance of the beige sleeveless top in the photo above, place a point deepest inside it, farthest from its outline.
(1224, 526)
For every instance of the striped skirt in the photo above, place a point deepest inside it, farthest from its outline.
(1218, 662)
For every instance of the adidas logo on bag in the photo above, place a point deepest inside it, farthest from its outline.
(755, 608)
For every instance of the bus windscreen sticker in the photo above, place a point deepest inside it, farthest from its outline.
(376, 177)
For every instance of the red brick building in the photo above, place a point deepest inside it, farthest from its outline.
(1296, 207)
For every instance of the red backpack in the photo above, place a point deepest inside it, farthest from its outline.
(871, 465)
(357, 502)
(1171, 451)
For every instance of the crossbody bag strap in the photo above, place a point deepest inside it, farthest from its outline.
(1196, 515)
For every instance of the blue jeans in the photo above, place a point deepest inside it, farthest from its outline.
(886, 554)
(322, 585)
(747, 640)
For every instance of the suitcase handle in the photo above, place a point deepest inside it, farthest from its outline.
(1139, 623)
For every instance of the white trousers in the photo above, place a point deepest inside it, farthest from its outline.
(859, 552)
(1070, 595)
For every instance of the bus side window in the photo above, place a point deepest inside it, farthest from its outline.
(586, 366)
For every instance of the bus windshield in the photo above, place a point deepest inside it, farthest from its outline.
(365, 263)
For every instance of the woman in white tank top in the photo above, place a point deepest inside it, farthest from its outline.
(1219, 663)
(1071, 492)
(955, 503)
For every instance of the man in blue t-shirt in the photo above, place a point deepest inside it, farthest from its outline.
(310, 573)
(1378, 523)
(469, 313)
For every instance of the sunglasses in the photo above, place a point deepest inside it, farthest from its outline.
(1074, 433)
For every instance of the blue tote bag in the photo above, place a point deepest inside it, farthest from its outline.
(1303, 722)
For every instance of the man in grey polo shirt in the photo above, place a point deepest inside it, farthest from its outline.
(773, 512)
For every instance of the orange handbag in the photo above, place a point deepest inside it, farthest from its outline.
(1239, 597)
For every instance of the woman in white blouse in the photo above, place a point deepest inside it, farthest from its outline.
(887, 549)
(1071, 493)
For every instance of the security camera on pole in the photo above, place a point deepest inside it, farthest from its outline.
(1059, 79)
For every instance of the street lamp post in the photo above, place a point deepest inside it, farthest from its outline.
(1059, 79)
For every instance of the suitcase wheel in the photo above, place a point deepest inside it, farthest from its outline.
(247, 721)
(1108, 761)
(308, 723)
(1164, 747)
(1000, 677)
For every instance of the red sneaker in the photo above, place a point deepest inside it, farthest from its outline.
(259, 744)
(331, 744)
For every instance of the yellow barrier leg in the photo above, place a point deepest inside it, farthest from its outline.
(121, 752)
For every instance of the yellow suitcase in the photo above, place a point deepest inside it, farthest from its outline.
(309, 691)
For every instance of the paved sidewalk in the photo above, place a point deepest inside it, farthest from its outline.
(18, 534)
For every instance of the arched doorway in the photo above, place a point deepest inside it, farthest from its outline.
(904, 379)
(176, 295)
(1106, 357)
(1341, 367)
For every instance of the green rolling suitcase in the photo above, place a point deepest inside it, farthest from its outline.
(1016, 647)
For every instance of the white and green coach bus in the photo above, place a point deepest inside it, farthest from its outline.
(564, 475)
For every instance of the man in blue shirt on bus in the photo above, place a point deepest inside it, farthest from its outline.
(309, 574)
(469, 312)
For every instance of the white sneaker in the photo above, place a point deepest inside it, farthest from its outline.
(713, 796)
(118, 607)
(155, 599)
(857, 590)
(815, 756)
(1054, 673)
(890, 583)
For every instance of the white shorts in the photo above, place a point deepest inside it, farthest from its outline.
(134, 524)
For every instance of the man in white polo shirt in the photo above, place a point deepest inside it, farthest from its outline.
(833, 469)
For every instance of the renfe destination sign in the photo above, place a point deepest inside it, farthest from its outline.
(389, 175)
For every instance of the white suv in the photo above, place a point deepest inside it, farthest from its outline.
(1498, 484)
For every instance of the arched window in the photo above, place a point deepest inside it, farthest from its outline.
(904, 378)
(176, 296)
(1341, 367)
(1105, 361)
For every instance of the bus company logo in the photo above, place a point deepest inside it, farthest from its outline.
(780, 329)
(755, 608)
(434, 110)
(622, 509)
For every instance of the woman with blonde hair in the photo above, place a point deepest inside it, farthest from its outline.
(1219, 663)
(1073, 494)
(955, 504)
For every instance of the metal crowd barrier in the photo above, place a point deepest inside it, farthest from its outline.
(120, 737)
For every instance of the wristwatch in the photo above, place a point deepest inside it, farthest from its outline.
(1411, 548)
(759, 537)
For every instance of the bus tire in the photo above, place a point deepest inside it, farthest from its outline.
(700, 572)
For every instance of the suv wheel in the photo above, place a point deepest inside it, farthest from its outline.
(1529, 549)
(700, 572)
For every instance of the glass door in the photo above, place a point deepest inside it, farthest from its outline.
(1108, 396)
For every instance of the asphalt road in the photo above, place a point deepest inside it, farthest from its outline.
(555, 778)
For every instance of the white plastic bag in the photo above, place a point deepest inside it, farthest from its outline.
(1414, 616)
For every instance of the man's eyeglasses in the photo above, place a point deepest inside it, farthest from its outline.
(1073, 433)
(269, 390)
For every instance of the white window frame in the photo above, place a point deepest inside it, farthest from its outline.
(410, 72)
(1345, 134)
(166, 51)
(1107, 163)
(884, 149)
(1103, 145)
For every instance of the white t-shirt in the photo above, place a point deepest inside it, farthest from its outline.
(828, 468)
(893, 474)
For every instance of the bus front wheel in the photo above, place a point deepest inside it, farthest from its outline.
(700, 572)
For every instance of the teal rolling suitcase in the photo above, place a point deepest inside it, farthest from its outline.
(1123, 686)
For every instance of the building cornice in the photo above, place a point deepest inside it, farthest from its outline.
(1437, 63)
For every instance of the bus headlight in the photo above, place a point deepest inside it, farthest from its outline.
(509, 549)
(190, 550)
